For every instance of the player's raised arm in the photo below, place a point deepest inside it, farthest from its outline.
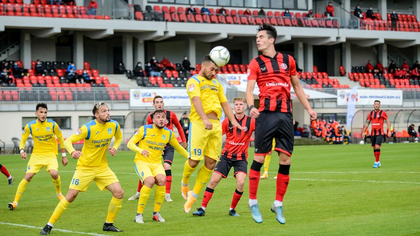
(135, 139)
(178, 147)
(79, 135)
(25, 135)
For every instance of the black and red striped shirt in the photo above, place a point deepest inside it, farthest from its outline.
(237, 141)
(171, 120)
(377, 121)
(273, 76)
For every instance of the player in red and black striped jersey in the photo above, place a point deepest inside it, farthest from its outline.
(168, 152)
(234, 154)
(377, 118)
(274, 73)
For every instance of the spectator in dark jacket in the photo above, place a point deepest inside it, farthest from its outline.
(186, 64)
(369, 14)
(392, 67)
(222, 11)
(205, 10)
(191, 10)
(261, 12)
(4, 77)
(17, 71)
(310, 14)
(138, 70)
(71, 77)
(411, 131)
(358, 13)
(394, 19)
(185, 122)
(39, 68)
(416, 65)
(287, 13)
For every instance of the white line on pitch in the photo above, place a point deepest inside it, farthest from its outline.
(357, 180)
(59, 230)
(351, 172)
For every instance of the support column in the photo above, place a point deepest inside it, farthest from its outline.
(127, 44)
(382, 6)
(191, 51)
(78, 52)
(309, 56)
(347, 6)
(337, 61)
(416, 54)
(299, 52)
(383, 54)
(80, 2)
(253, 50)
(27, 1)
(346, 56)
(416, 8)
(139, 52)
(25, 49)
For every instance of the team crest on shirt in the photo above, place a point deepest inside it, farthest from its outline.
(245, 128)
(283, 66)
(48, 129)
(78, 132)
(379, 116)
(109, 130)
(164, 137)
(214, 82)
(191, 87)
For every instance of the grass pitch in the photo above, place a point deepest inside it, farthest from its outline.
(333, 191)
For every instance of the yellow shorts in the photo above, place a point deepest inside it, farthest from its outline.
(83, 176)
(146, 169)
(36, 163)
(203, 142)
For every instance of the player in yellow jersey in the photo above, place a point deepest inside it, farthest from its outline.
(151, 140)
(44, 132)
(267, 161)
(93, 166)
(205, 132)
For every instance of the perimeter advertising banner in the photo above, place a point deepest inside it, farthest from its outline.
(171, 97)
(368, 97)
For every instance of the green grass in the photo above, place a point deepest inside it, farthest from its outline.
(333, 191)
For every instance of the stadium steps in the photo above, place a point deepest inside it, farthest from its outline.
(121, 80)
(345, 80)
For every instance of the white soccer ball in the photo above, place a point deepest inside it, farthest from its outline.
(220, 55)
(361, 142)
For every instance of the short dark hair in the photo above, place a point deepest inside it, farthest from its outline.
(156, 97)
(97, 106)
(40, 105)
(158, 112)
(207, 58)
(271, 31)
(377, 101)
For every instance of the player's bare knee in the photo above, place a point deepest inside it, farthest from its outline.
(28, 177)
(193, 163)
(54, 174)
(149, 182)
(118, 193)
(71, 195)
(166, 166)
(210, 163)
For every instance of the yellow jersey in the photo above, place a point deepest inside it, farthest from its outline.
(97, 139)
(209, 91)
(154, 141)
(43, 134)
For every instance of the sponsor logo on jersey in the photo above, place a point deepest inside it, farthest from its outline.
(109, 130)
(164, 137)
(48, 129)
(191, 87)
(78, 132)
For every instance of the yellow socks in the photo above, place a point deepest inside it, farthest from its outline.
(144, 196)
(59, 210)
(113, 209)
(21, 188)
(159, 196)
(57, 184)
(203, 176)
(267, 163)
(188, 170)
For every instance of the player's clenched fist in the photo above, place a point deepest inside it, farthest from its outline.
(23, 155)
(254, 113)
(145, 153)
(76, 154)
(112, 151)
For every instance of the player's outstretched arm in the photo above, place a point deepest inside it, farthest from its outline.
(135, 139)
(178, 147)
(22, 143)
(300, 94)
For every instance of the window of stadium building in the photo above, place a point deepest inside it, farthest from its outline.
(63, 121)
(85, 119)
(268, 4)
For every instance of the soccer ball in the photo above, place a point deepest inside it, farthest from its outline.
(220, 55)
(361, 142)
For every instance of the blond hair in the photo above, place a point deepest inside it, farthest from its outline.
(238, 99)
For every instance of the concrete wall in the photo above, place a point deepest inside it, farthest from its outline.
(173, 50)
(43, 49)
(364, 4)
(360, 56)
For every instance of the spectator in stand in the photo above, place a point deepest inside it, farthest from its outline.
(166, 64)
(369, 67)
(222, 11)
(398, 73)
(85, 78)
(392, 67)
(39, 67)
(138, 70)
(416, 65)
(68, 2)
(93, 5)
(287, 13)
(310, 14)
(71, 77)
(205, 10)
(329, 10)
(148, 69)
(154, 65)
(17, 71)
(4, 77)
(380, 67)
(71, 66)
(247, 12)
(412, 131)
(358, 13)
(5, 65)
(394, 19)
(154, 61)
(415, 73)
(186, 64)
(191, 10)
(369, 14)
(404, 73)
(261, 12)
(185, 122)
(56, 2)
(405, 66)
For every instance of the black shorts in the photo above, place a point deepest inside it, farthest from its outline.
(168, 154)
(225, 164)
(376, 140)
(276, 125)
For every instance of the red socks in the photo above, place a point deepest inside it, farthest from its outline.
(236, 197)
(168, 181)
(207, 196)
(282, 182)
(254, 179)
(4, 171)
(377, 153)
(139, 187)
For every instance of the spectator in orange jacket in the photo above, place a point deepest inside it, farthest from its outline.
(404, 73)
(329, 10)
(405, 66)
(247, 12)
(369, 67)
(398, 74)
(415, 73)
(93, 5)
(380, 67)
